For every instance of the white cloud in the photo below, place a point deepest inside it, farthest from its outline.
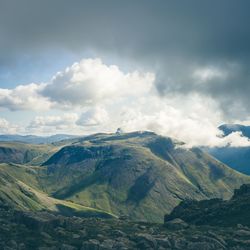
(90, 82)
(93, 117)
(235, 139)
(4, 126)
(86, 83)
(8, 128)
(53, 124)
(192, 119)
(24, 97)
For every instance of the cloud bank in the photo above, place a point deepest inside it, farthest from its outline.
(94, 97)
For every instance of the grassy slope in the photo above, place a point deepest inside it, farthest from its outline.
(22, 153)
(19, 187)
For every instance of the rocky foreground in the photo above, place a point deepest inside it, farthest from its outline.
(197, 225)
(43, 230)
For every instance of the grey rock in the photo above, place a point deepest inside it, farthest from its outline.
(67, 247)
(243, 233)
(107, 244)
(176, 224)
(91, 245)
(165, 242)
(146, 241)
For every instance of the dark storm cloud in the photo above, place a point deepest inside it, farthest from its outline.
(171, 37)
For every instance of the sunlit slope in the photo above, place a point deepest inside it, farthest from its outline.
(20, 188)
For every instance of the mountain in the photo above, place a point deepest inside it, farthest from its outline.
(140, 174)
(216, 212)
(33, 139)
(237, 158)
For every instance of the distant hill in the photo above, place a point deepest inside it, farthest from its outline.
(33, 139)
(237, 158)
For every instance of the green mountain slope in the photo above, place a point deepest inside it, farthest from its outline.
(23, 153)
(138, 174)
(20, 189)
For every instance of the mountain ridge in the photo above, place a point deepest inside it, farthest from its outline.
(129, 171)
(140, 174)
(35, 139)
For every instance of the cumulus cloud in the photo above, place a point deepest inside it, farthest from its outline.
(52, 124)
(235, 139)
(93, 117)
(4, 126)
(8, 128)
(24, 97)
(86, 83)
(192, 119)
(91, 81)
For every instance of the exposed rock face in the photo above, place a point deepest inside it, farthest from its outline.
(176, 224)
(243, 191)
(216, 211)
(119, 131)
(43, 230)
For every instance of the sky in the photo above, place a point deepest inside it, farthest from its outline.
(178, 68)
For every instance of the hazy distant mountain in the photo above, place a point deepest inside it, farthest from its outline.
(230, 128)
(36, 139)
(236, 157)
